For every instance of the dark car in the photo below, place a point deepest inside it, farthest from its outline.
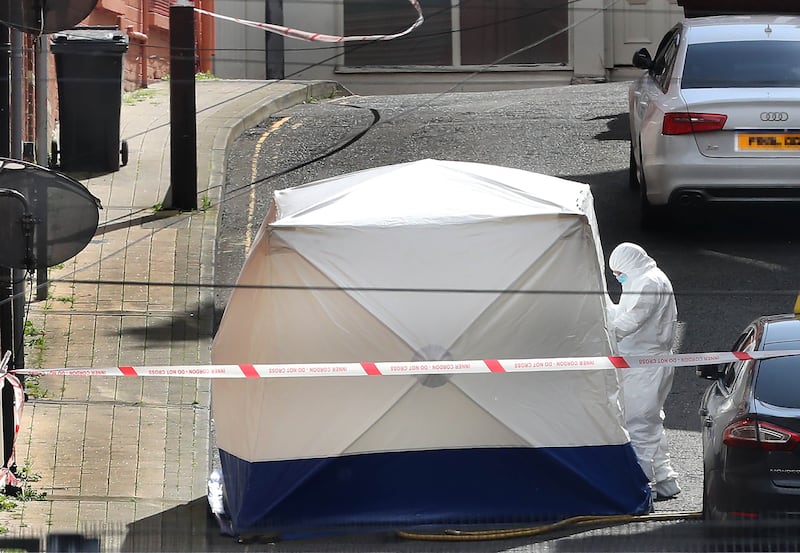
(750, 420)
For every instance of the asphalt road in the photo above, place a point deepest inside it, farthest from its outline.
(727, 266)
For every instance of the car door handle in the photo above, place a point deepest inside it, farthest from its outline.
(708, 422)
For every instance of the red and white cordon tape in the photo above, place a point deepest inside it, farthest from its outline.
(317, 37)
(398, 368)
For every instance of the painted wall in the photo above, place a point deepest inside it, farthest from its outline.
(240, 50)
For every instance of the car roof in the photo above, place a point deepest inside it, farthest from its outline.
(779, 330)
(723, 28)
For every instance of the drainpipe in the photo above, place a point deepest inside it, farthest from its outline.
(145, 29)
(141, 37)
(206, 36)
(42, 142)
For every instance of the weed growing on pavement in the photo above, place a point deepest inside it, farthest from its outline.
(35, 340)
(138, 95)
(205, 204)
(66, 299)
(7, 504)
(33, 387)
(26, 477)
(34, 336)
(158, 206)
(22, 493)
(205, 76)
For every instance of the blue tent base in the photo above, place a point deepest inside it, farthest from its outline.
(469, 488)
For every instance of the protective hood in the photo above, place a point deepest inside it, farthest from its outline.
(630, 259)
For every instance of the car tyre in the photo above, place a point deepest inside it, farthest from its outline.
(652, 217)
(713, 525)
(633, 172)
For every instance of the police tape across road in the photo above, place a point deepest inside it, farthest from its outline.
(309, 36)
(400, 368)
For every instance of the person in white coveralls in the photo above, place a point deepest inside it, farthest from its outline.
(643, 323)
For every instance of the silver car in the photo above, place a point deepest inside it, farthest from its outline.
(716, 115)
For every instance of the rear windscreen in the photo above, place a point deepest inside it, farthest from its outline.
(747, 64)
(778, 382)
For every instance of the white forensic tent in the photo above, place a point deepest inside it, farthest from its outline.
(427, 260)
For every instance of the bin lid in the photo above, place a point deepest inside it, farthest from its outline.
(96, 38)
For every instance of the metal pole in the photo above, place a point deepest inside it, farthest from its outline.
(17, 114)
(42, 142)
(6, 314)
(14, 287)
(17, 93)
(7, 344)
(5, 92)
(274, 45)
(182, 108)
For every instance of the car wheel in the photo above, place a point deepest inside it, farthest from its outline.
(633, 173)
(713, 525)
(710, 512)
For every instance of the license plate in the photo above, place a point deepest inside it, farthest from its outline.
(768, 141)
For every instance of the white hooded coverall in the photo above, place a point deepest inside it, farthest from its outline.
(644, 323)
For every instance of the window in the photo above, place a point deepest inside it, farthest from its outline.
(732, 370)
(429, 44)
(778, 379)
(470, 32)
(664, 61)
(160, 7)
(755, 63)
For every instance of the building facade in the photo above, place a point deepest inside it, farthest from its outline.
(146, 22)
(462, 45)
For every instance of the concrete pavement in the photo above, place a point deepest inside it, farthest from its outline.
(124, 461)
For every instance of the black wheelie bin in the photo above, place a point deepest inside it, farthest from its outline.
(89, 62)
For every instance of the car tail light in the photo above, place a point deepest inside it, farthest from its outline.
(687, 123)
(760, 435)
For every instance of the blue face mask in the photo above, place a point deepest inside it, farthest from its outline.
(622, 278)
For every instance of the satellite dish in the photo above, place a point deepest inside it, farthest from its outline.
(47, 219)
(45, 16)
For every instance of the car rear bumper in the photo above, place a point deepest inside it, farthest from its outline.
(722, 181)
(680, 175)
(741, 496)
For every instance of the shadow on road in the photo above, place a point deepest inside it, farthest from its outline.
(187, 527)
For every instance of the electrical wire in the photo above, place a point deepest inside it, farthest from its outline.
(394, 289)
(332, 150)
(232, 194)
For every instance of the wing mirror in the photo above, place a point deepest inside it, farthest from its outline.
(710, 372)
(642, 59)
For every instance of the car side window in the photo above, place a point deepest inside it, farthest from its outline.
(730, 375)
(664, 60)
(733, 370)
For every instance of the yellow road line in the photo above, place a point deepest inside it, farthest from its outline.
(251, 207)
